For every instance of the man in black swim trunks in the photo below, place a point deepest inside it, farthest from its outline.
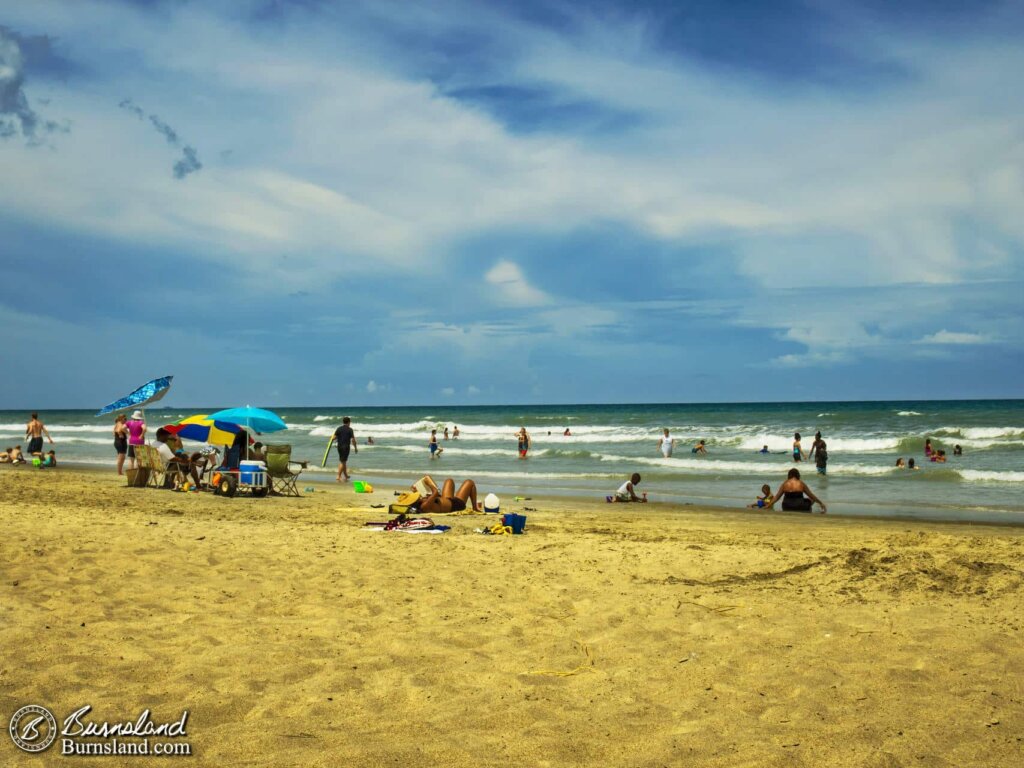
(346, 440)
(34, 432)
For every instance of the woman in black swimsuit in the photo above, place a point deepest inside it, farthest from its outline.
(120, 441)
(447, 499)
(792, 493)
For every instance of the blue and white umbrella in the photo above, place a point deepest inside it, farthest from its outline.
(144, 395)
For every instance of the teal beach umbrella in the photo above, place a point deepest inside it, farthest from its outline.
(255, 419)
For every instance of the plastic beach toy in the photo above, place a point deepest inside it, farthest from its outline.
(361, 487)
(491, 503)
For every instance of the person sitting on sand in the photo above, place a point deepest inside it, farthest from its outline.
(17, 457)
(447, 499)
(49, 460)
(900, 464)
(5, 456)
(911, 464)
(792, 492)
(699, 448)
(627, 491)
(764, 499)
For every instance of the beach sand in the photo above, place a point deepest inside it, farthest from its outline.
(609, 635)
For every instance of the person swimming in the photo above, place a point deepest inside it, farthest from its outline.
(764, 450)
(900, 464)
(798, 454)
(699, 448)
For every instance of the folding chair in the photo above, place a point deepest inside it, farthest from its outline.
(282, 479)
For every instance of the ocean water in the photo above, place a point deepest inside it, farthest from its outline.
(609, 442)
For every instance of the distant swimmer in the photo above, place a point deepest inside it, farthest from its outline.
(957, 450)
(795, 495)
(911, 464)
(666, 444)
(798, 454)
(900, 464)
(928, 446)
(567, 433)
(369, 441)
(523, 438)
(699, 448)
(764, 450)
(627, 491)
(455, 432)
(446, 433)
(939, 456)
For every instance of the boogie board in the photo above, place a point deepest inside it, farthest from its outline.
(327, 452)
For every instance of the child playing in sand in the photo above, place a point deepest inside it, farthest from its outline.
(49, 460)
(627, 491)
(5, 456)
(764, 499)
(17, 457)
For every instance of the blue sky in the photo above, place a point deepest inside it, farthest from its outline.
(363, 203)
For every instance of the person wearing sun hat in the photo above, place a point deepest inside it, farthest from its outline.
(136, 435)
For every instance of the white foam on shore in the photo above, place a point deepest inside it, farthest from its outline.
(908, 413)
(983, 476)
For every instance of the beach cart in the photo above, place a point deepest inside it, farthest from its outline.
(251, 477)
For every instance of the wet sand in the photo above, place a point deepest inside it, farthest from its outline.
(609, 635)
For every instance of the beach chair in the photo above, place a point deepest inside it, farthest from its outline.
(282, 479)
(160, 474)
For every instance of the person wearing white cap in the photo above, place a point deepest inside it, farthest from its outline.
(136, 435)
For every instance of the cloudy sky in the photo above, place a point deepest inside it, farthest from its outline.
(358, 203)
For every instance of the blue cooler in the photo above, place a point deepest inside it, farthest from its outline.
(252, 472)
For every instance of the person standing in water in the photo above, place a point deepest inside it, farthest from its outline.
(798, 454)
(666, 444)
(524, 442)
(435, 449)
(346, 440)
(819, 452)
(455, 432)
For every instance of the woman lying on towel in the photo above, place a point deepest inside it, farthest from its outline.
(447, 499)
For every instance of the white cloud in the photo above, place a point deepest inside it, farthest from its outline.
(472, 390)
(448, 391)
(954, 337)
(371, 386)
(512, 286)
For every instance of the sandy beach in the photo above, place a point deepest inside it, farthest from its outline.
(611, 635)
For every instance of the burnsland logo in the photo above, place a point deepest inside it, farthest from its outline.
(34, 728)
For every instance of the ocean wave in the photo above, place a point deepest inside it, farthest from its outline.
(908, 413)
(980, 433)
(823, 415)
(991, 476)
(326, 418)
(778, 444)
(712, 466)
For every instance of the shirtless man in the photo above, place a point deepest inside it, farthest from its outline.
(34, 432)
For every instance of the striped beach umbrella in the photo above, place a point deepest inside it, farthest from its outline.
(203, 429)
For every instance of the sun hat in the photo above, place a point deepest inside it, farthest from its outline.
(491, 503)
(137, 415)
